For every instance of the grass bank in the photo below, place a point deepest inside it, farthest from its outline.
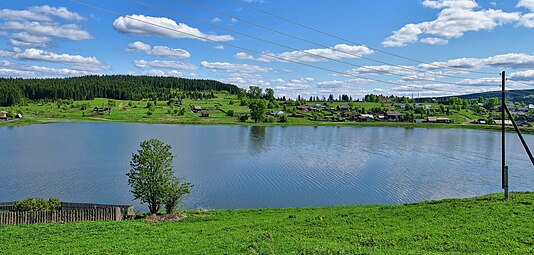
(484, 224)
(136, 112)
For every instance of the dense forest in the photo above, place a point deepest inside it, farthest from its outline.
(125, 87)
(525, 96)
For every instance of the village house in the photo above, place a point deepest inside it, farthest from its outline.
(506, 122)
(329, 108)
(101, 110)
(303, 108)
(443, 120)
(362, 117)
(3, 115)
(393, 115)
(196, 108)
(204, 114)
(279, 112)
(343, 108)
(390, 100)
(317, 107)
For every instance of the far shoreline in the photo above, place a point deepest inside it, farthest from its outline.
(494, 128)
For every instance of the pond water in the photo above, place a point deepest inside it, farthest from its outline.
(251, 167)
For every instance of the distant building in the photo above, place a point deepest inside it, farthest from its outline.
(343, 108)
(303, 108)
(393, 115)
(204, 114)
(3, 115)
(196, 108)
(278, 113)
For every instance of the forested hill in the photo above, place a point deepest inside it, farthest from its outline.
(126, 87)
(526, 96)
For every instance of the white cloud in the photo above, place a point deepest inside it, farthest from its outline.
(527, 75)
(529, 4)
(143, 26)
(234, 68)
(25, 39)
(455, 19)
(156, 72)
(527, 20)
(434, 41)
(337, 52)
(158, 51)
(68, 31)
(216, 20)
(60, 12)
(20, 70)
(440, 4)
(24, 15)
(219, 47)
(164, 64)
(75, 61)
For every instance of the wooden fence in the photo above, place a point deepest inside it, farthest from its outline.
(69, 212)
(97, 214)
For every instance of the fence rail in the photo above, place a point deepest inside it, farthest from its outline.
(68, 212)
(95, 214)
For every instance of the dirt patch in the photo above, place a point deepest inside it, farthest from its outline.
(154, 218)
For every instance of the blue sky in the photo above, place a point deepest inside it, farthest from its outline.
(466, 43)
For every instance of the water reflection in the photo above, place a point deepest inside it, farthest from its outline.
(257, 139)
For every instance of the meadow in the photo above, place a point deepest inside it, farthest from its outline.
(485, 224)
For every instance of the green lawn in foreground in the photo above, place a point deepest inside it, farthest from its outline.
(486, 225)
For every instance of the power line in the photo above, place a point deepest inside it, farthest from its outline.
(325, 46)
(245, 49)
(347, 40)
(283, 45)
(520, 82)
(261, 53)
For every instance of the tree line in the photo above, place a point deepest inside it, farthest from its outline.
(123, 87)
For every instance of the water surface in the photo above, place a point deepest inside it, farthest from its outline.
(247, 167)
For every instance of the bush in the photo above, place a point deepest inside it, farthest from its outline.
(282, 119)
(230, 113)
(270, 119)
(37, 204)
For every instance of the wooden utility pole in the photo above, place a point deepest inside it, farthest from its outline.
(503, 131)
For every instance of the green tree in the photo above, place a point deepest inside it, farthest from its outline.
(150, 173)
(254, 92)
(257, 109)
(174, 192)
(269, 94)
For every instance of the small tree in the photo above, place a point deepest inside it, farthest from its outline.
(175, 191)
(257, 109)
(150, 173)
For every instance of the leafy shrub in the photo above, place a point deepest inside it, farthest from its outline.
(230, 113)
(270, 119)
(37, 204)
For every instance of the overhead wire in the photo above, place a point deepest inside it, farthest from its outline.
(193, 3)
(250, 50)
(266, 54)
(285, 46)
(350, 41)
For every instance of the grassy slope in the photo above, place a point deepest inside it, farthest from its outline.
(48, 113)
(477, 225)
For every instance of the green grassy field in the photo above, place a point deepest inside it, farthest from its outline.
(482, 225)
(136, 112)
